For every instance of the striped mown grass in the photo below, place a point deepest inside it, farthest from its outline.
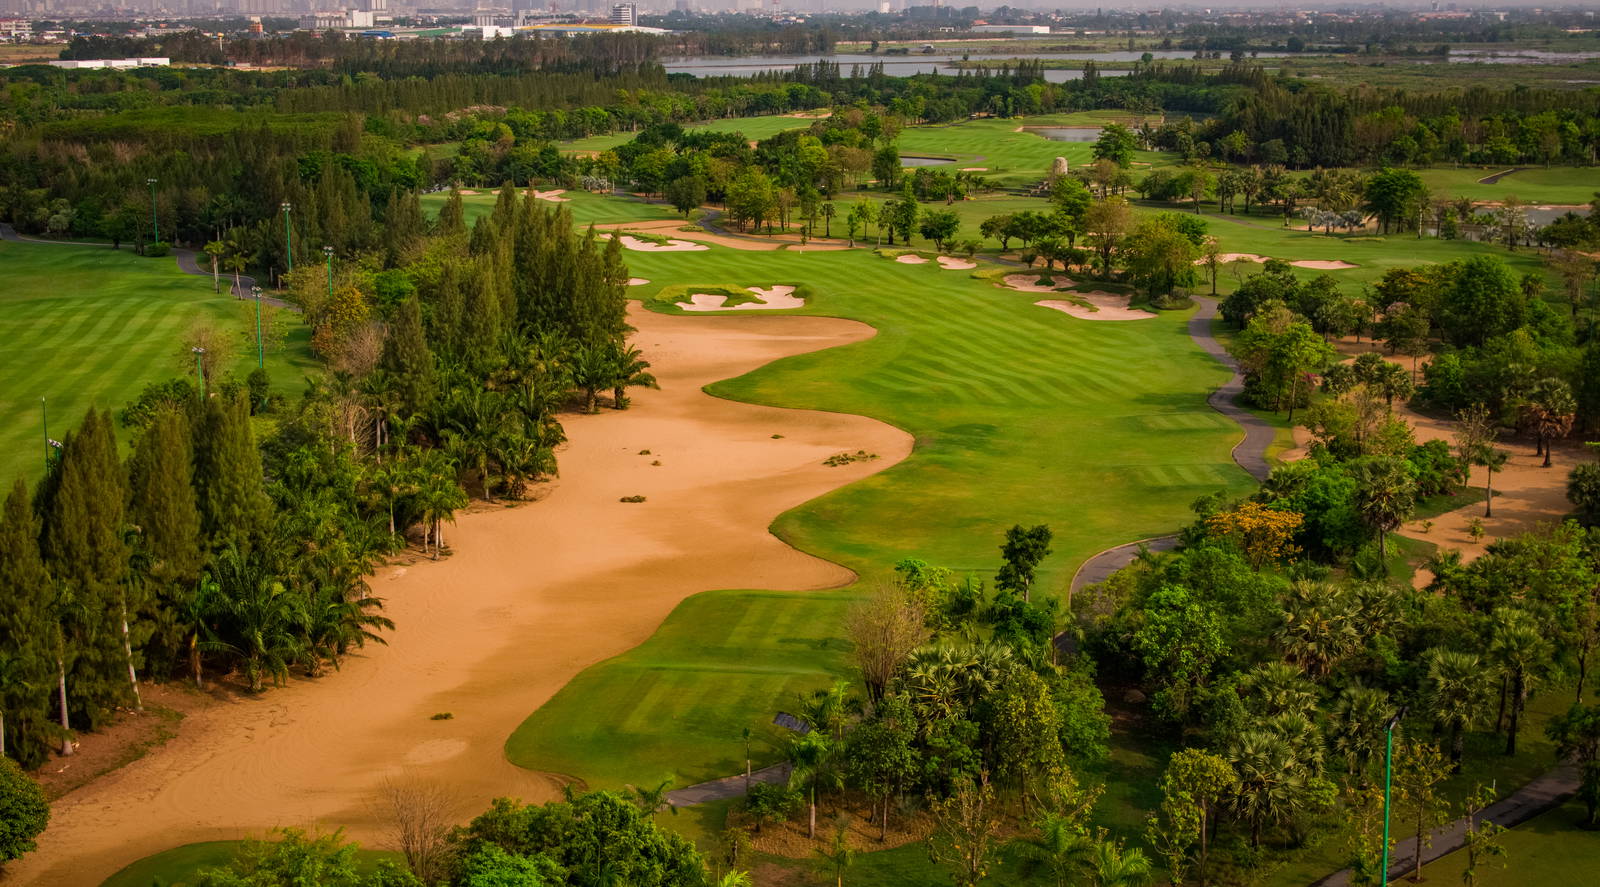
(91, 326)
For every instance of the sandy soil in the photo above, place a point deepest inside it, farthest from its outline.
(910, 259)
(466, 192)
(772, 298)
(673, 245)
(951, 263)
(974, 169)
(1107, 306)
(1025, 283)
(637, 281)
(531, 596)
(552, 196)
(660, 226)
(1320, 265)
(1236, 257)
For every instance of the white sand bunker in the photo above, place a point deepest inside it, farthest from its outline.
(552, 196)
(673, 245)
(951, 263)
(815, 247)
(1236, 257)
(909, 259)
(1029, 283)
(637, 281)
(1106, 306)
(465, 192)
(773, 298)
(974, 169)
(1320, 265)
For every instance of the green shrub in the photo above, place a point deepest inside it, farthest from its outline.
(771, 803)
(1583, 490)
(23, 811)
(157, 250)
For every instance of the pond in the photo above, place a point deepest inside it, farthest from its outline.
(926, 161)
(1066, 133)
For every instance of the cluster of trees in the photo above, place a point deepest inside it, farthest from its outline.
(450, 355)
(975, 733)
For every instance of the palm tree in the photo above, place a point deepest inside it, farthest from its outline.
(335, 622)
(1276, 688)
(1271, 781)
(592, 370)
(1318, 625)
(1518, 646)
(827, 709)
(1493, 461)
(194, 613)
(828, 212)
(260, 617)
(1116, 867)
(813, 763)
(438, 495)
(1059, 851)
(1456, 688)
(1550, 409)
(1385, 496)
(735, 879)
(1355, 727)
(629, 369)
(65, 610)
(839, 855)
(236, 262)
(651, 800)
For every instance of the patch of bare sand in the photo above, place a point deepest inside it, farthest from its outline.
(466, 192)
(637, 281)
(951, 263)
(1322, 264)
(552, 196)
(1028, 283)
(673, 245)
(911, 259)
(1236, 257)
(974, 169)
(815, 247)
(531, 596)
(1104, 306)
(674, 225)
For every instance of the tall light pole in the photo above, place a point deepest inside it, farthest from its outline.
(288, 235)
(199, 367)
(155, 223)
(328, 251)
(1388, 775)
(44, 416)
(261, 354)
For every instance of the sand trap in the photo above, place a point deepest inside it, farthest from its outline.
(637, 281)
(1235, 257)
(815, 247)
(910, 259)
(951, 263)
(552, 196)
(464, 192)
(1107, 306)
(772, 298)
(1320, 265)
(673, 245)
(1026, 283)
(974, 169)
(599, 581)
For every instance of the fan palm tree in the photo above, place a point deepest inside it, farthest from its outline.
(1318, 625)
(1275, 688)
(1386, 494)
(1060, 851)
(1355, 727)
(1550, 409)
(735, 879)
(1271, 781)
(1518, 646)
(1456, 690)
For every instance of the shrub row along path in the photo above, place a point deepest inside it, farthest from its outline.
(529, 598)
(1250, 453)
(188, 262)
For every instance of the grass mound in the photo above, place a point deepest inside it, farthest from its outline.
(671, 295)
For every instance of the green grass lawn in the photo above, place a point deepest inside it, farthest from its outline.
(181, 866)
(1550, 849)
(90, 326)
(586, 208)
(1557, 185)
(1021, 414)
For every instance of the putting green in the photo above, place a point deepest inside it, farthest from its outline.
(91, 326)
(1021, 414)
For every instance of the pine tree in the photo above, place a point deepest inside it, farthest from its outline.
(87, 552)
(406, 355)
(162, 506)
(482, 328)
(452, 221)
(27, 634)
(234, 508)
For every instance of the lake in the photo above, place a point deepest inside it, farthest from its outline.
(903, 65)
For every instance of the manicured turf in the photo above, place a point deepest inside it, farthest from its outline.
(90, 326)
(1556, 185)
(1550, 849)
(586, 208)
(180, 866)
(1021, 414)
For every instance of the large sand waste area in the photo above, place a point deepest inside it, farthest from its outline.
(530, 596)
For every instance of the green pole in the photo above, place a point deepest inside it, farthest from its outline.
(44, 415)
(1388, 776)
(288, 236)
(199, 369)
(155, 223)
(261, 354)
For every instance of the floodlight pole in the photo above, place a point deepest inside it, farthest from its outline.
(288, 234)
(1388, 777)
(155, 223)
(328, 251)
(261, 354)
(44, 418)
(199, 367)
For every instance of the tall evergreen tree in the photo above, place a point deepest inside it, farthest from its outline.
(163, 508)
(407, 356)
(452, 220)
(234, 508)
(87, 552)
(27, 634)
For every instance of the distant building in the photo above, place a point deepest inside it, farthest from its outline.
(333, 21)
(149, 62)
(625, 14)
(16, 29)
(1011, 29)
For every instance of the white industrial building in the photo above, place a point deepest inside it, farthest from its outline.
(150, 62)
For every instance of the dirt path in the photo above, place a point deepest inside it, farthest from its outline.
(531, 597)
